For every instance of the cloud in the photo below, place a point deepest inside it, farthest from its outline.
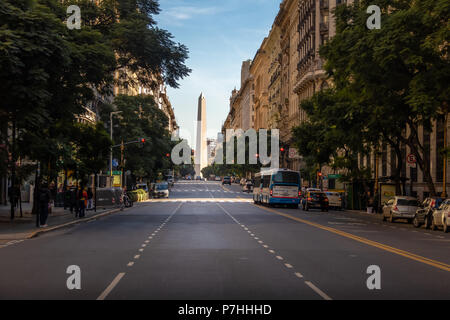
(182, 13)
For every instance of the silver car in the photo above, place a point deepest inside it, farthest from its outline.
(400, 208)
(441, 217)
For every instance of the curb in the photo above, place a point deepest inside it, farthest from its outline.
(68, 224)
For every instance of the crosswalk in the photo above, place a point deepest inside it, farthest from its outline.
(198, 182)
(201, 200)
(204, 190)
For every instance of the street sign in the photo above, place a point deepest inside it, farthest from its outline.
(411, 161)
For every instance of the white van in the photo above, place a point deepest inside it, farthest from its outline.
(334, 200)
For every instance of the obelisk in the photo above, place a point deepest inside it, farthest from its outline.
(201, 155)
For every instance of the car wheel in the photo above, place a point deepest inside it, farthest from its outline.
(416, 223)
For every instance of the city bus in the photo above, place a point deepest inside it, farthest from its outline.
(277, 186)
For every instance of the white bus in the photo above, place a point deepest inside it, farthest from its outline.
(277, 186)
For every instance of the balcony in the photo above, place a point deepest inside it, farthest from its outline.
(324, 27)
(324, 4)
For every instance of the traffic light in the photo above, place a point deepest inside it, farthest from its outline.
(142, 140)
(282, 149)
(168, 155)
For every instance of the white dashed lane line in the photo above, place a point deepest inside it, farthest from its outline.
(287, 265)
(119, 277)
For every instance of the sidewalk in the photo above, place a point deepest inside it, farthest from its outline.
(25, 227)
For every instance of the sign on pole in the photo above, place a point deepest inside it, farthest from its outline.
(411, 161)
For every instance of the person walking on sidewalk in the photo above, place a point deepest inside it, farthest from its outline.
(82, 201)
(90, 199)
(44, 201)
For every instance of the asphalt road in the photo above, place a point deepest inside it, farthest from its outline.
(209, 242)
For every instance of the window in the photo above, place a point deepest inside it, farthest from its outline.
(266, 181)
(286, 177)
(393, 161)
(405, 202)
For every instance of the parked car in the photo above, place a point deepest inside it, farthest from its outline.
(400, 208)
(424, 214)
(218, 179)
(315, 199)
(441, 217)
(226, 180)
(334, 200)
(161, 190)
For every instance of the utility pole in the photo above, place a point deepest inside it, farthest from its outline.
(111, 152)
(122, 164)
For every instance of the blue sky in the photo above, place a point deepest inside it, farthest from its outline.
(219, 35)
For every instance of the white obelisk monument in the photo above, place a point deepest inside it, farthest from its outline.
(201, 155)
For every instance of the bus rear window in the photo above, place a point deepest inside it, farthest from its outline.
(286, 177)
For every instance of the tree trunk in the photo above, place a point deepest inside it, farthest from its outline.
(13, 170)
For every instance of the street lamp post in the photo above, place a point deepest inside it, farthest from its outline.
(111, 152)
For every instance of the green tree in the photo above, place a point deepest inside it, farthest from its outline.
(141, 118)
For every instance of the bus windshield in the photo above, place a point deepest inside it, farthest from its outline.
(286, 177)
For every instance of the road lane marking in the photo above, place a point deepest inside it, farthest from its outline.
(406, 254)
(318, 291)
(137, 256)
(299, 275)
(280, 258)
(288, 266)
(271, 251)
(111, 286)
(130, 264)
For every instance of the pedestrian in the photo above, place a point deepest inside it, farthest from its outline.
(44, 202)
(73, 201)
(90, 199)
(82, 201)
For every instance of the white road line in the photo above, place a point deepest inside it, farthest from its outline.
(265, 246)
(299, 275)
(144, 245)
(111, 286)
(130, 264)
(137, 256)
(141, 250)
(317, 290)
(280, 258)
(288, 266)
(147, 241)
(271, 251)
